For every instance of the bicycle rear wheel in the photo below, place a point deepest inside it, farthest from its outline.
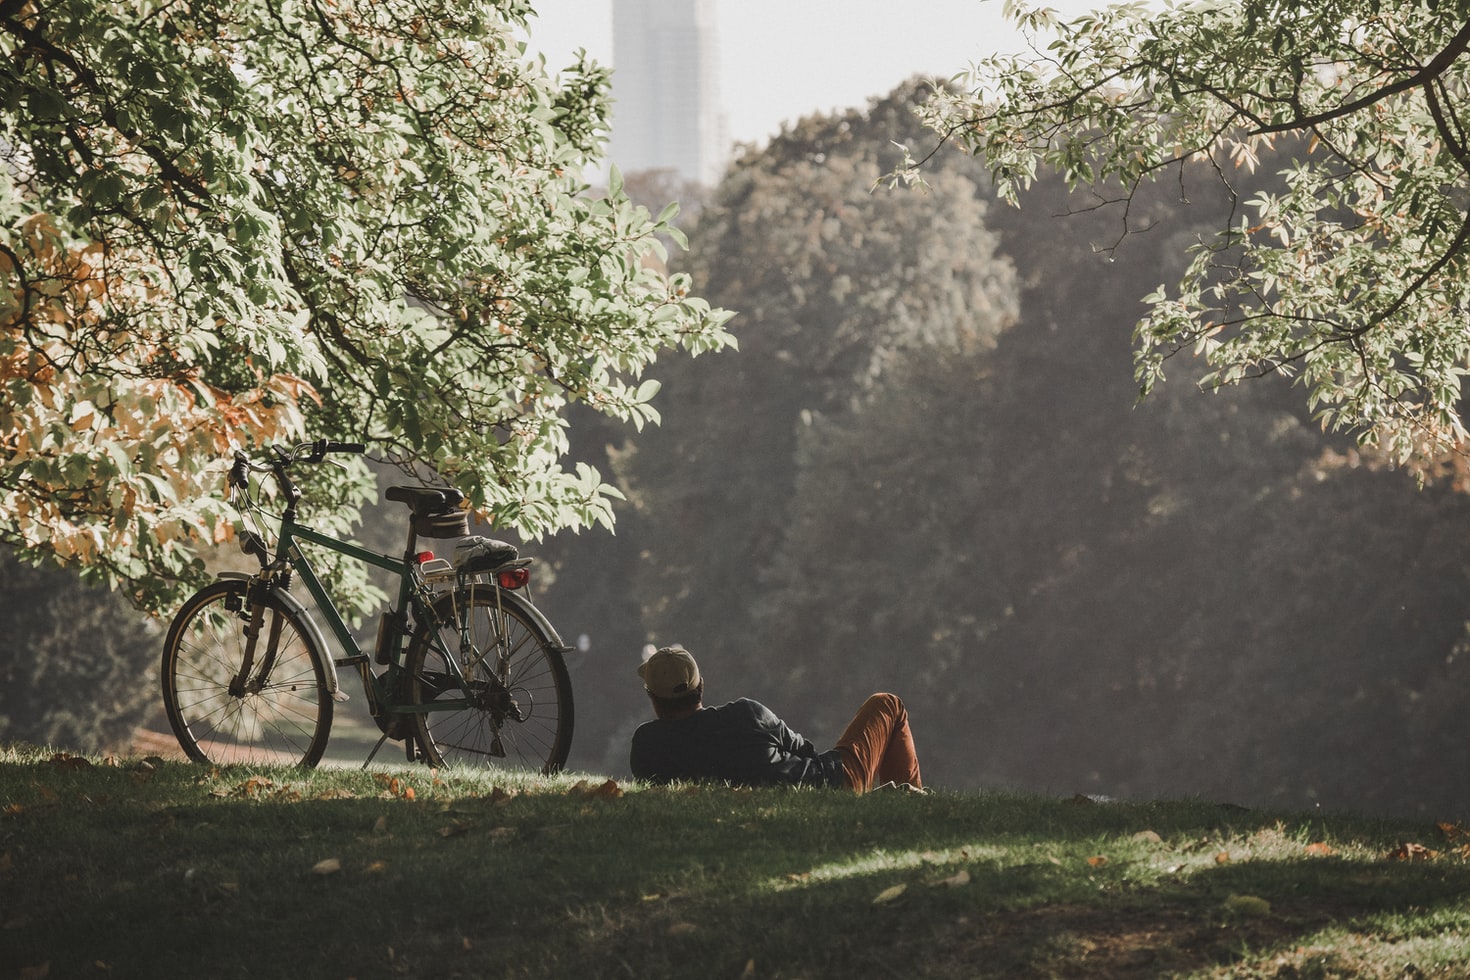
(279, 712)
(514, 707)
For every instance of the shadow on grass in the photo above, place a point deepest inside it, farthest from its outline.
(172, 880)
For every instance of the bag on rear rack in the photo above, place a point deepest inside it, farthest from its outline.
(477, 554)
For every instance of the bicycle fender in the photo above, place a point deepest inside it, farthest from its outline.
(522, 605)
(525, 606)
(295, 606)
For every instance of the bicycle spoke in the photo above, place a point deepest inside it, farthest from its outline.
(284, 711)
(505, 701)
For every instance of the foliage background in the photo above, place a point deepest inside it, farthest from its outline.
(1073, 590)
(926, 470)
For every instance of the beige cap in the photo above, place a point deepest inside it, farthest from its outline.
(670, 673)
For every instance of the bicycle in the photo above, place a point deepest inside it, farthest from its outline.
(471, 671)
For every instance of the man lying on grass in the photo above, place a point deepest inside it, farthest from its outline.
(745, 744)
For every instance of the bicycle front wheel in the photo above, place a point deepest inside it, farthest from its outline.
(278, 711)
(489, 685)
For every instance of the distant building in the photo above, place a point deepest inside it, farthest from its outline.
(667, 112)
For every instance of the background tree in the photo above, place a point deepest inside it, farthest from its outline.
(835, 283)
(1352, 277)
(228, 224)
(83, 666)
(1201, 593)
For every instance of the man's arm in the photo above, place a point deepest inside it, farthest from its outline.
(644, 756)
(791, 743)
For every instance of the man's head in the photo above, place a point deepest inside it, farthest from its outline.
(672, 680)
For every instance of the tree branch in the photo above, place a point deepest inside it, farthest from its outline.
(1436, 67)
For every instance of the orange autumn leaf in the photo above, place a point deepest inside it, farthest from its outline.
(1454, 833)
(609, 790)
(1412, 852)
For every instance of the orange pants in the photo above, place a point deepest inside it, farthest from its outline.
(877, 746)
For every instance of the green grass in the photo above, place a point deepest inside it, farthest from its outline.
(123, 869)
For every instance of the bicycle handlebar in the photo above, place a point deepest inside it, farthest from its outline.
(321, 447)
(307, 452)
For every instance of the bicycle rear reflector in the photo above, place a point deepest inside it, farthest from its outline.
(512, 578)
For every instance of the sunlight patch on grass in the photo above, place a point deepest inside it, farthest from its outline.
(882, 861)
(1341, 952)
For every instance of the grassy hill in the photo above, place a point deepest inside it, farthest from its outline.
(134, 868)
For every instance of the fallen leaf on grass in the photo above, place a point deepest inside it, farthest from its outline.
(1148, 837)
(1223, 857)
(889, 894)
(500, 797)
(957, 880)
(394, 788)
(1320, 849)
(329, 866)
(258, 788)
(1097, 861)
(609, 790)
(63, 760)
(1412, 852)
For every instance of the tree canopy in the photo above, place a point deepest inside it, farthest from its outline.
(836, 285)
(1072, 591)
(1353, 274)
(225, 224)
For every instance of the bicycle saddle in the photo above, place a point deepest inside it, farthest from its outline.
(426, 501)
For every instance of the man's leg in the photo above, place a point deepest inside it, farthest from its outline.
(878, 747)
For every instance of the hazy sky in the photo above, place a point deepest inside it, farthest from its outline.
(782, 59)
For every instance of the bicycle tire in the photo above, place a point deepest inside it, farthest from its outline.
(523, 715)
(283, 718)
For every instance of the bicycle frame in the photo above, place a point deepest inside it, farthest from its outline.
(289, 555)
(464, 667)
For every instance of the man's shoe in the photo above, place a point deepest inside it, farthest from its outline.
(903, 787)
